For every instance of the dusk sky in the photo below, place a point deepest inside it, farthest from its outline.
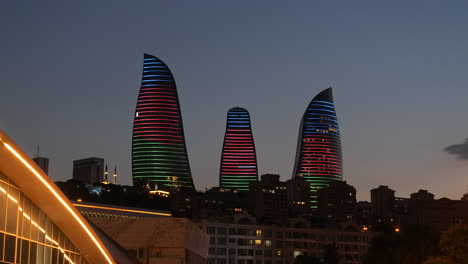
(70, 73)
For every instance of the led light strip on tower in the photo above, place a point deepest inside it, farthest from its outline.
(158, 129)
(319, 158)
(238, 159)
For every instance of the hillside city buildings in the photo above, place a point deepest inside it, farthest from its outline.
(245, 220)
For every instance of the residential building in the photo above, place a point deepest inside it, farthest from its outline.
(269, 200)
(244, 242)
(337, 202)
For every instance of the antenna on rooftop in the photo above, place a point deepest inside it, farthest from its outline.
(37, 152)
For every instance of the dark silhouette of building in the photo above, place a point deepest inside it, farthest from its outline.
(437, 214)
(465, 197)
(298, 197)
(383, 207)
(89, 170)
(337, 202)
(159, 154)
(238, 159)
(318, 157)
(269, 200)
(422, 195)
(364, 214)
(43, 163)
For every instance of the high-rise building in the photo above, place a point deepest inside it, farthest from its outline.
(269, 200)
(238, 159)
(318, 157)
(89, 170)
(298, 197)
(43, 163)
(159, 153)
(337, 202)
(383, 205)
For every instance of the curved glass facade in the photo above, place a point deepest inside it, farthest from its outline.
(318, 157)
(238, 160)
(27, 234)
(159, 153)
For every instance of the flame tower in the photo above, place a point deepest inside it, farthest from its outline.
(238, 159)
(159, 154)
(318, 156)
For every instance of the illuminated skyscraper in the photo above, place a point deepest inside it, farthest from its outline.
(318, 156)
(238, 159)
(159, 154)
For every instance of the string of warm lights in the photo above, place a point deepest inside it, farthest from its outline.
(60, 199)
(34, 223)
(120, 209)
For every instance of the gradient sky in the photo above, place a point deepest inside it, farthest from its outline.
(70, 73)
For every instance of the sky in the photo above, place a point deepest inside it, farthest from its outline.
(70, 73)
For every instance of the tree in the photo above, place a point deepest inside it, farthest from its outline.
(439, 260)
(454, 243)
(411, 246)
(330, 254)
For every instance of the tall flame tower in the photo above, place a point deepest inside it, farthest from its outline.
(318, 156)
(159, 153)
(238, 159)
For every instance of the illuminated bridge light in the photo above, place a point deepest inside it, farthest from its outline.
(238, 160)
(318, 156)
(157, 128)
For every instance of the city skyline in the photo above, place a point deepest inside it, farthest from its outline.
(70, 74)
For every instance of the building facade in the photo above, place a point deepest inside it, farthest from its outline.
(337, 203)
(383, 206)
(298, 197)
(38, 224)
(159, 153)
(268, 200)
(236, 243)
(89, 170)
(318, 156)
(437, 214)
(161, 240)
(238, 159)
